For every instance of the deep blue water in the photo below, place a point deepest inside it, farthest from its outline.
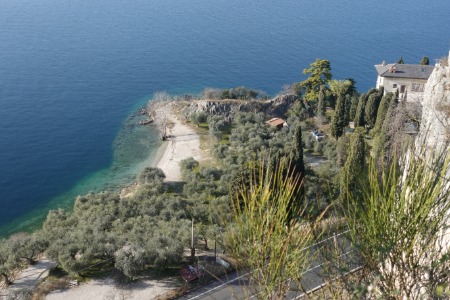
(72, 72)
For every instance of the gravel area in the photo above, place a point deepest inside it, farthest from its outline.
(107, 289)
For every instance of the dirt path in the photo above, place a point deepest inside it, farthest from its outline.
(29, 277)
(107, 289)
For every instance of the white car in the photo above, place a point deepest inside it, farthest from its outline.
(318, 135)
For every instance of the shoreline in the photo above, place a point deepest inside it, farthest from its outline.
(183, 142)
(159, 154)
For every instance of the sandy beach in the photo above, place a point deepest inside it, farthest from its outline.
(183, 143)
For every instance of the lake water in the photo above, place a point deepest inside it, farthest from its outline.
(72, 73)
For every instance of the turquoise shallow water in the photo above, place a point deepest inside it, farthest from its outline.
(135, 147)
(71, 73)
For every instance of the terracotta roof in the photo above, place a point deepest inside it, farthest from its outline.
(404, 71)
(275, 122)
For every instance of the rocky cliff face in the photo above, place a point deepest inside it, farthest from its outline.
(276, 107)
(435, 124)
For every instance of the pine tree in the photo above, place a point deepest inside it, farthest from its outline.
(360, 111)
(320, 71)
(321, 108)
(338, 122)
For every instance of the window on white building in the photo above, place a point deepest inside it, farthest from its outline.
(394, 85)
(417, 87)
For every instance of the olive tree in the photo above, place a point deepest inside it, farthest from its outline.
(130, 259)
(28, 246)
(198, 118)
(9, 262)
(151, 174)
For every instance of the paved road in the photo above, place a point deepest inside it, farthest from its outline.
(237, 286)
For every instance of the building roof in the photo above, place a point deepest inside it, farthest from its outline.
(275, 122)
(404, 71)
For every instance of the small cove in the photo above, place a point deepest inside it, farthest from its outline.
(71, 75)
(135, 147)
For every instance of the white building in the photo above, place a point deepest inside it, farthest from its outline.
(409, 80)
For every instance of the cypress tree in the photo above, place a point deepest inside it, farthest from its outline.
(382, 110)
(353, 106)
(389, 114)
(380, 91)
(297, 153)
(390, 111)
(298, 166)
(347, 105)
(383, 139)
(360, 110)
(425, 61)
(342, 151)
(321, 108)
(338, 122)
(371, 91)
(355, 164)
(357, 157)
(372, 105)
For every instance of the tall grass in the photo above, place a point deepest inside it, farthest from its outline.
(398, 218)
(264, 237)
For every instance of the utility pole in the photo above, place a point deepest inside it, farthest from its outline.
(192, 242)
